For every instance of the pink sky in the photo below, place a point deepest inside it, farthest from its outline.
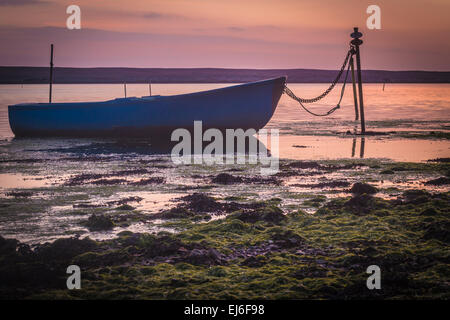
(225, 33)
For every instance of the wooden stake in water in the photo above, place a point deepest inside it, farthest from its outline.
(150, 89)
(51, 74)
(356, 42)
(125, 89)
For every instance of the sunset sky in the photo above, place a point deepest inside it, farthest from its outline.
(225, 33)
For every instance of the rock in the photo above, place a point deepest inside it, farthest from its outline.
(63, 249)
(305, 165)
(416, 196)
(439, 231)
(147, 181)
(369, 251)
(429, 212)
(287, 239)
(361, 188)
(161, 246)
(438, 182)
(312, 271)
(99, 223)
(443, 160)
(125, 200)
(19, 194)
(254, 261)
(8, 246)
(199, 202)
(108, 258)
(204, 257)
(321, 185)
(225, 178)
(268, 214)
(359, 202)
(125, 207)
(108, 182)
(174, 213)
(217, 271)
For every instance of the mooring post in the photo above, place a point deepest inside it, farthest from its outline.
(355, 94)
(356, 42)
(51, 74)
(150, 89)
(125, 89)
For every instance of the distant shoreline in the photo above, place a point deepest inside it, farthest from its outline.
(40, 75)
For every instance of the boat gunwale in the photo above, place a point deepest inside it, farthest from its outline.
(143, 99)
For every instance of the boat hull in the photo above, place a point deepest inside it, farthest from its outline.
(242, 106)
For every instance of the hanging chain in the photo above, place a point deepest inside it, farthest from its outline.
(333, 84)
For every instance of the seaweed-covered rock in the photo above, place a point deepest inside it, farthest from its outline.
(312, 271)
(97, 259)
(305, 165)
(199, 202)
(439, 231)
(287, 239)
(149, 181)
(204, 257)
(255, 261)
(8, 246)
(162, 246)
(19, 194)
(225, 178)
(361, 188)
(438, 182)
(63, 249)
(108, 182)
(174, 213)
(429, 212)
(268, 214)
(358, 202)
(99, 222)
(416, 196)
(125, 207)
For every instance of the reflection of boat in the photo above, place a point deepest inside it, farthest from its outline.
(86, 147)
(245, 106)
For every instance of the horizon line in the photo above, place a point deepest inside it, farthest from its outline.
(220, 68)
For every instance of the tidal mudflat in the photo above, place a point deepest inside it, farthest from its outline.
(140, 226)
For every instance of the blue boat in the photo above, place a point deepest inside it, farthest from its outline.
(245, 106)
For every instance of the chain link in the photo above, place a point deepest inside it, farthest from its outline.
(301, 101)
(333, 84)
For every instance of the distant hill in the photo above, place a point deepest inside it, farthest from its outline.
(35, 75)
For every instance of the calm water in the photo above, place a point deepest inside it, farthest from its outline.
(51, 209)
(402, 109)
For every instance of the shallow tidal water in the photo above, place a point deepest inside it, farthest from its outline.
(39, 203)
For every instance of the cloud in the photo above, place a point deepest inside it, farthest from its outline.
(17, 3)
(103, 48)
(236, 29)
(159, 15)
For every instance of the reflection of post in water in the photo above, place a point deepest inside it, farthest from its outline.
(353, 147)
(363, 144)
(361, 150)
